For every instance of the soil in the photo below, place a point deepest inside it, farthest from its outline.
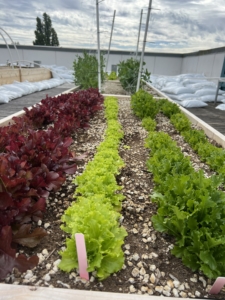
(149, 267)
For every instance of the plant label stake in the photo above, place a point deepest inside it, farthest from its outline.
(82, 255)
(217, 286)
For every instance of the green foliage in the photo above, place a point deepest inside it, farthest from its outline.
(212, 155)
(94, 213)
(169, 108)
(86, 71)
(45, 34)
(149, 124)
(112, 76)
(193, 137)
(180, 122)
(104, 238)
(190, 207)
(128, 74)
(144, 105)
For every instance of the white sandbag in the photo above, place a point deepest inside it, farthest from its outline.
(187, 82)
(180, 97)
(207, 91)
(14, 88)
(31, 85)
(11, 95)
(178, 90)
(4, 98)
(203, 84)
(221, 107)
(193, 103)
(38, 86)
(211, 98)
(171, 83)
(185, 97)
(24, 87)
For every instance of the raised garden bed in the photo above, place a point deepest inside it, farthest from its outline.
(149, 268)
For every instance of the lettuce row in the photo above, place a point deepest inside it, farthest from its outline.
(212, 155)
(95, 213)
(144, 106)
(190, 206)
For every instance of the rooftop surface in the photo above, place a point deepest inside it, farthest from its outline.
(16, 105)
(212, 116)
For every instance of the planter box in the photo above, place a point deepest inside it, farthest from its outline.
(8, 75)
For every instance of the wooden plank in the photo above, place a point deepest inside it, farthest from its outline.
(8, 76)
(12, 292)
(35, 74)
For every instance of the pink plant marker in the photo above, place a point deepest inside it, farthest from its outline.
(217, 286)
(82, 255)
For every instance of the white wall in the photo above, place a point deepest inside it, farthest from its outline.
(209, 63)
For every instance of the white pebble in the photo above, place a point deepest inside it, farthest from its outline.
(48, 266)
(152, 278)
(39, 222)
(150, 292)
(136, 257)
(152, 268)
(56, 262)
(142, 271)
(47, 277)
(176, 283)
(202, 280)
(63, 284)
(159, 289)
(135, 272)
(181, 287)
(144, 289)
(166, 293)
(45, 252)
(170, 284)
(197, 294)
(175, 293)
(183, 294)
(131, 280)
(46, 225)
(132, 289)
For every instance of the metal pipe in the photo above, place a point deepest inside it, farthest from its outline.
(14, 47)
(139, 31)
(98, 39)
(144, 43)
(7, 48)
(106, 66)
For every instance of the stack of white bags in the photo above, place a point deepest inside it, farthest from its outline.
(17, 89)
(189, 90)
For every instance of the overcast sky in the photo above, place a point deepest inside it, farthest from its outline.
(175, 25)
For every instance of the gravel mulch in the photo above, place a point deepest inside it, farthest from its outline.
(149, 267)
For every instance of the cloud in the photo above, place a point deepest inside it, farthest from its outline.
(175, 25)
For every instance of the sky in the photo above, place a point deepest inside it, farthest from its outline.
(176, 26)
